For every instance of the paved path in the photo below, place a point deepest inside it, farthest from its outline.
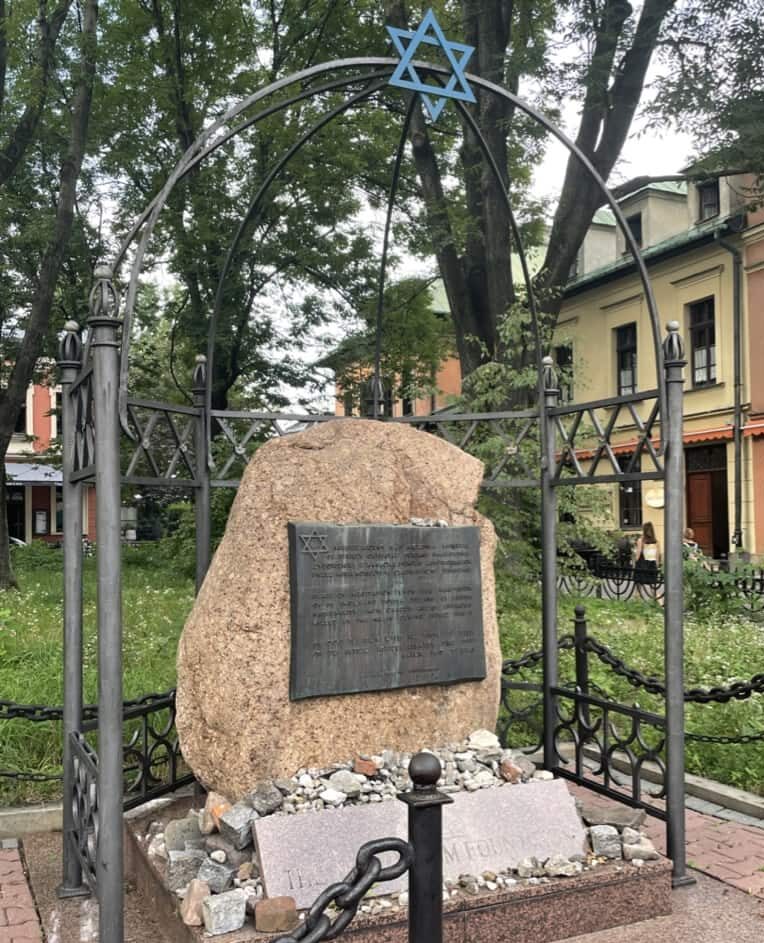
(19, 922)
(731, 851)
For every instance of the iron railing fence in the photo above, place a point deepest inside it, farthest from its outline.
(601, 742)
(153, 764)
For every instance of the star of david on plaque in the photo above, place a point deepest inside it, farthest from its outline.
(314, 543)
(405, 75)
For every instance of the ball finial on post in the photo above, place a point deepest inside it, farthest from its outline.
(424, 770)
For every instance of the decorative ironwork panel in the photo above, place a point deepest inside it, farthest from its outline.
(160, 445)
(85, 814)
(608, 440)
(237, 435)
(81, 393)
(606, 747)
(508, 443)
(153, 762)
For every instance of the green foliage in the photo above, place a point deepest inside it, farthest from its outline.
(415, 342)
(180, 545)
(516, 513)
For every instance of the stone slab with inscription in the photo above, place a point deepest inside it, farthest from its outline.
(236, 721)
(383, 607)
(491, 829)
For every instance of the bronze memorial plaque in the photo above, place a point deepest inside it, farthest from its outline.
(383, 606)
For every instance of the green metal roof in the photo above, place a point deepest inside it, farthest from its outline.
(702, 232)
(604, 217)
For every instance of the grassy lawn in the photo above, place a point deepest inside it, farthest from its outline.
(157, 600)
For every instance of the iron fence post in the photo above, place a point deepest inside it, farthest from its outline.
(549, 558)
(69, 364)
(580, 630)
(202, 490)
(673, 352)
(104, 324)
(425, 804)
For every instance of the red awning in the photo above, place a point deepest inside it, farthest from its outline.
(716, 434)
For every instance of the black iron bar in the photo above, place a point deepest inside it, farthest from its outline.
(425, 805)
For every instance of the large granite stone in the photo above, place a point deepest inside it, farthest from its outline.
(491, 830)
(236, 723)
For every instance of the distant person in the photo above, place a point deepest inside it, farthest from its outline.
(690, 547)
(647, 555)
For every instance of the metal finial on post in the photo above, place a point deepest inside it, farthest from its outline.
(199, 377)
(673, 346)
(551, 382)
(426, 840)
(673, 612)
(70, 347)
(103, 301)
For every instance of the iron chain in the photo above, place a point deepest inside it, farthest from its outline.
(37, 713)
(738, 690)
(741, 739)
(529, 659)
(347, 894)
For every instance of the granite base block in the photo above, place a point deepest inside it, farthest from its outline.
(610, 896)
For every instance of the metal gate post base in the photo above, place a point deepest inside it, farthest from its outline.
(69, 893)
(683, 880)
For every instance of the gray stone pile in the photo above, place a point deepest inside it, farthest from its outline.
(210, 862)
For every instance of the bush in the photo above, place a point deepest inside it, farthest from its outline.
(180, 545)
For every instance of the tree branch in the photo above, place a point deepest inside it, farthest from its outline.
(52, 260)
(23, 133)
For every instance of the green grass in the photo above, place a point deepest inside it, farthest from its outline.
(157, 600)
(719, 649)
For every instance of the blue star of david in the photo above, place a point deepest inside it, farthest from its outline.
(314, 543)
(405, 75)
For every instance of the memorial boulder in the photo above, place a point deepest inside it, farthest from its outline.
(248, 709)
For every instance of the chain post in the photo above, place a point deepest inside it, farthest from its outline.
(202, 510)
(69, 365)
(673, 353)
(550, 396)
(104, 324)
(580, 631)
(425, 804)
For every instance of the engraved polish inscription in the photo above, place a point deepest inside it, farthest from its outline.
(378, 607)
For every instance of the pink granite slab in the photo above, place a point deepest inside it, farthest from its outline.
(491, 829)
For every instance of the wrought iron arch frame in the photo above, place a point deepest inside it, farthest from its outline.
(98, 408)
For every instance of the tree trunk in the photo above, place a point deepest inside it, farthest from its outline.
(7, 578)
(53, 258)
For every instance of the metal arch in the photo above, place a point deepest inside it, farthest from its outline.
(254, 209)
(385, 245)
(202, 147)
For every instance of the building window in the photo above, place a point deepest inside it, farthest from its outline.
(635, 225)
(626, 358)
(21, 422)
(630, 494)
(563, 356)
(708, 200)
(59, 510)
(703, 341)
